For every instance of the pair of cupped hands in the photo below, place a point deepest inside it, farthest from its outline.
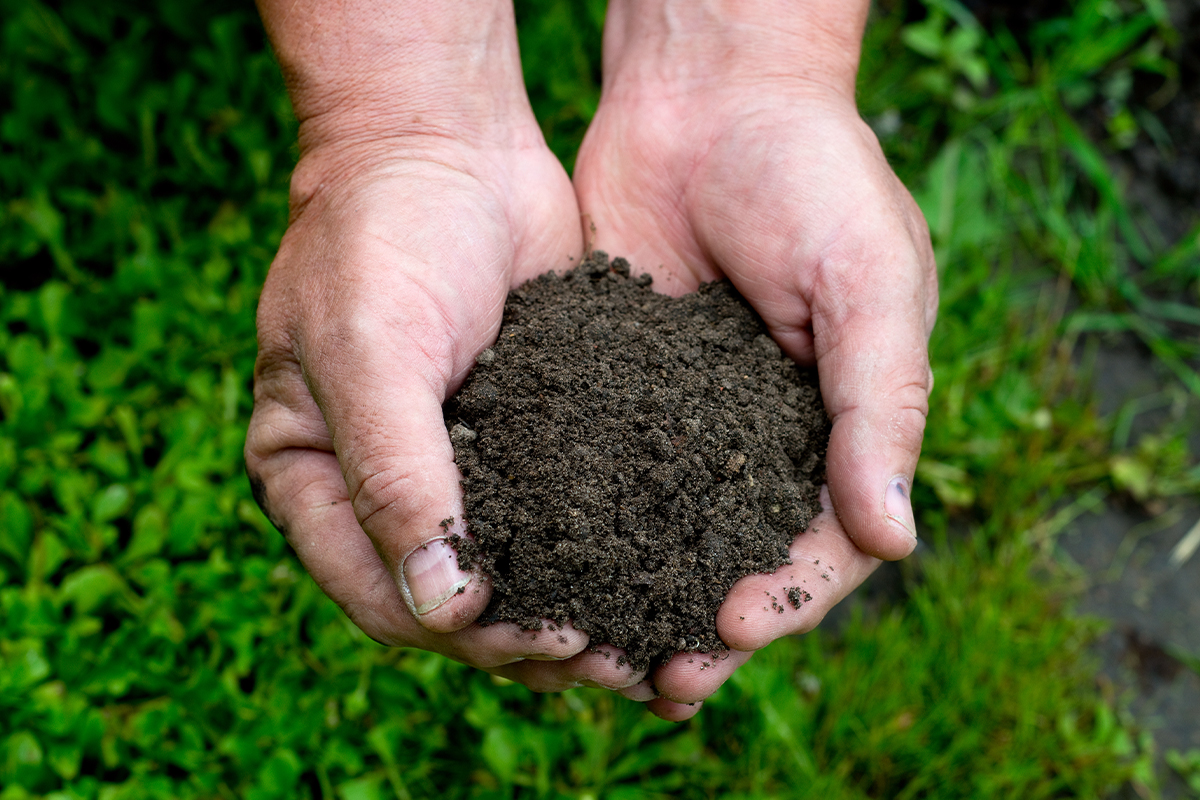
(417, 206)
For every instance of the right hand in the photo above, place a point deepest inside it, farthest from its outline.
(727, 143)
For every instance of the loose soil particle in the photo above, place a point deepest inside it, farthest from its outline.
(797, 596)
(627, 456)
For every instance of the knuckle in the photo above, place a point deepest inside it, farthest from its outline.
(388, 493)
(906, 423)
(285, 416)
(268, 431)
(276, 318)
(276, 365)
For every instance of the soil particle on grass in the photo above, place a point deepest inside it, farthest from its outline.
(627, 456)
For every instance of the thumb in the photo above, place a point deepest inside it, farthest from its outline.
(381, 401)
(873, 363)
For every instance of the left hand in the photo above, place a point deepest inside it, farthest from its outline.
(718, 154)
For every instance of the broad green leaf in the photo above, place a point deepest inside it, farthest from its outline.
(926, 38)
(501, 753)
(89, 587)
(149, 533)
(48, 554)
(22, 749)
(25, 664)
(16, 528)
(279, 773)
(52, 302)
(111, 503)
(368, 787)
(65, 760)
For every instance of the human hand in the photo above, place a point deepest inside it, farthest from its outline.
(417, 203)
(727, 143)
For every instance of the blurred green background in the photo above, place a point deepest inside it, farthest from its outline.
(159, 640)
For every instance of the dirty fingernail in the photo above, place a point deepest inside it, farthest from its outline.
(897, 505)
(432, 576)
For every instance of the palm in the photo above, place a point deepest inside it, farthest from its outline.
(415, 233)
(756, 190)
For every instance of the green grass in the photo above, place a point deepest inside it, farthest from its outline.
(158, 639)
(1188, 766)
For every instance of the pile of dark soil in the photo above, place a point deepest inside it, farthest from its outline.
(627, 456)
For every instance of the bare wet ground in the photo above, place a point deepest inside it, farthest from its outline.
(1136, 572)
(1137, 568)
(1149, 652)
(1132, 563)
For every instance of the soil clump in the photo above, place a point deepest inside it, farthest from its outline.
(627, 456)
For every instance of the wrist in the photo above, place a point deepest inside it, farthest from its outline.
(684, 46)
(358, 71)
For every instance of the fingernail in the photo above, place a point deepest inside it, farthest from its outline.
(897, 505)
(432, 576)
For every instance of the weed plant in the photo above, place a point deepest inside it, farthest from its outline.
(158, 639)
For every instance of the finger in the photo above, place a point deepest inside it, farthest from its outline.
(863, 313)
(505, 644)
(567, 641)
(299, 485)
(304, 495)
(599, 669)
(535, 676)
(379, 371)
(671, 711)
(873, 363)
(641, 692)
(402, 484)
(826, 566)
(861, 304)
(605, 667)
(693, 677)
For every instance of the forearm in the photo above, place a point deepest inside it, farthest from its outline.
(362, 69)
(689, 43)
